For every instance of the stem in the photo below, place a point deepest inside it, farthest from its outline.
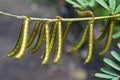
(63, 19)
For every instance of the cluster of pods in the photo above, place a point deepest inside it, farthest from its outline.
(49, 34)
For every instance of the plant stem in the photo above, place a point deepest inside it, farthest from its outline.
(63, 19)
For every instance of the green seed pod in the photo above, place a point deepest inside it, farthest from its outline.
(59, 48)
(81, 41)
(102, 36)
(90, 44)
(47, 42)
(40, 39)
(66, 30)
(109, 38)
(24, 39)
(18, 44)
(34, 33)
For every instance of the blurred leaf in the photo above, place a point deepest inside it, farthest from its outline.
(101, 75)
(115, 55)
(117, 9)
(108, 71)
(112, 4)
(103, 3)
(74, 4)
(115, 78)
(116, 35)
(112, 64)
(117, 28)
(86, 3)
(118, 45)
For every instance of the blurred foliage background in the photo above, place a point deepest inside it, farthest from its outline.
(71, 65)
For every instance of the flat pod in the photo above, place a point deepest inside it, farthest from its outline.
(109, 38)
(90, 43)
(34, 33)
(102, 36)
(66, 30)
(40, 39)
(59, 46)
(18, 44)
(81, 41)
(24, 39)
(47, 43)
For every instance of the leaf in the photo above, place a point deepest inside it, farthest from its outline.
(108, 71)
(112, 4)
(118, 45)
(117, 9)
(74, 4)
(116, 35)
(101, 75)
(112, 64)
(103, 3)
(115, 55)
(115, 78)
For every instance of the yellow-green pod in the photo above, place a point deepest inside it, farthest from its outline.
(59, 45)
(34, 33)
(53, 31)
(53, 35)
(81, 41)
(18, 44)
(102, 36)
(66, 30)
(40, 39)
(109, 38)
(90, 44)
(24, 39)
(47, 43)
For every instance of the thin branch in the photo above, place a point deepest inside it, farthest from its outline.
(63, 19)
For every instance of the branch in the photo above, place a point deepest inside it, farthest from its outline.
(63, 19)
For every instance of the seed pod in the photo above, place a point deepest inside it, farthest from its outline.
(66, 30)
(90, 44)
(59, 48)
(33, 34)
(109, 38)
(24, 39)
(40, 39)
(47, 39)
(18, 44)
(81, 41)
(102, 36)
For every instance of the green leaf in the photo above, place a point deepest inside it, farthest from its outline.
(112, 4)
(115, 78)
(74, 4)
(116, 35)
(103, 3)
(101, 75)
(117, 9)
(118, 45)
(108, 71)
(112, 64)
(115, 55)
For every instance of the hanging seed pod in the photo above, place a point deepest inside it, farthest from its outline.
(109, 38)
(18, 44)
(47, 42)
(102, 36)
(59, 48)
(66, 30)
(34, 33)
(40, 39)
(24, 39)
(81, 41)
(90, 44)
